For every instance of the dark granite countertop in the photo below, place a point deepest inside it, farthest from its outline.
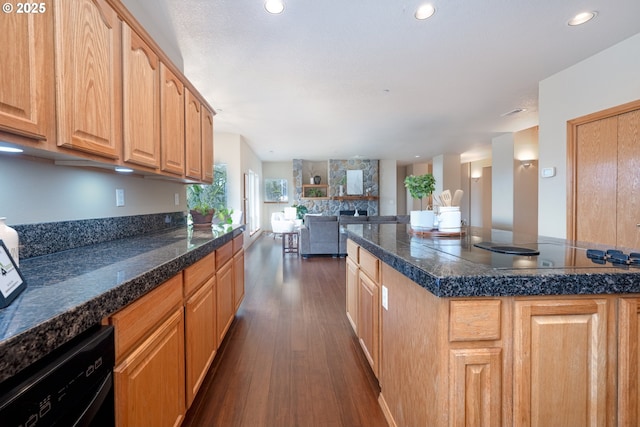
(68, 292)
(454, 267)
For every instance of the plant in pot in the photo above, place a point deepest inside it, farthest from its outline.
(204, 200)
(301, 211)
(421, 186)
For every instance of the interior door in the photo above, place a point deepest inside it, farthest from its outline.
(596, 182)
(628, 212)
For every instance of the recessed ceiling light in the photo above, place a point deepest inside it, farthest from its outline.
(581, 18)
(5, 149)
(124, 170)
(425, 11)
(274, 6)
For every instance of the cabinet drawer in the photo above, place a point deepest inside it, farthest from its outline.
(238, 241)
(139, 318)
(198, 273)
(474, 320)
(352, 251)
(224, 254)
(370, 265)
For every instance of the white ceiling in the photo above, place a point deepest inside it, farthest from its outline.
(342, 78)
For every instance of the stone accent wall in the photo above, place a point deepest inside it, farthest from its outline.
(337, 170)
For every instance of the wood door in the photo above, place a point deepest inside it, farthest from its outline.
(141, 93)
(171, 122)
(224, 295)
(352, 294)
(200, 336)
(149, 383)
(26, 94)
(596, 182)
(207, 145)
(369, 320)
(628, 201)
(88, 77)
(560, 363)
(238, 279)
(629, 362)
(193, 136)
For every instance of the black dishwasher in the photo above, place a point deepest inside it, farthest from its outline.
(71, 387)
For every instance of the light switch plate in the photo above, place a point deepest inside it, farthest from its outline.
(385, 297)
(119, 197)
(548, 172)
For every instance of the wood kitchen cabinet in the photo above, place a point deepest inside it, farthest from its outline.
(88, 76)
(149, 376)
(368, 329)
(193, 136)
(201, 340)
(629, 362)
(141, 100)
(352, 293)
(27, 105)
(238, 271)
(172, 122)
(225, 305)
(207, 145)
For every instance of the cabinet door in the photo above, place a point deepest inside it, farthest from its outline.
(200, 336)
(560, 363)
(369, 320)
(352, 294)
(88, 77)
(207, 145)
(475, 387)
(171, 122)
(193, 136)
(225, 304)
(26, 49)
(238, 279)
(141, 93)
(629, 362)
(149, 383)
(628, 202)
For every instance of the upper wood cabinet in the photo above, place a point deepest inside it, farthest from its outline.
(207, 145)
(193, 136)
(88, 77)
(141, 100)
(171, 121)
(26, 93)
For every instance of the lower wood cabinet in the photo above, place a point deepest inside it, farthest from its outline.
(149, 376)
(149, 383)
(368, 320)
(629, 362)
(166, 340)
(352, 293)
(201, 340)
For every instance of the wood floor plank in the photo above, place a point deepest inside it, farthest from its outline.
(290, 357)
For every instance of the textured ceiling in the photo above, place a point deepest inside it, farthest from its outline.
(342, 78)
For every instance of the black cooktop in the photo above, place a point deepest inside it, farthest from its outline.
(504, 252)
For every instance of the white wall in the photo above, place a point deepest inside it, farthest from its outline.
(387, 183)
(39, 191)
(602, 81)
(502, 182)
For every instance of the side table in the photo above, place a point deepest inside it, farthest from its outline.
(290, 242)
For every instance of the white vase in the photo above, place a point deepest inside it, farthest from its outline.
(421, 220)
(10, 238)
(340, 190)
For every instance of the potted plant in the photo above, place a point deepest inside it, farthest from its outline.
(204, 200)
(301, 211)
(341, 184)
(421, 186)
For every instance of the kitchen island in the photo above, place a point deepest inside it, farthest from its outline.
(68, 292)
(459, 335)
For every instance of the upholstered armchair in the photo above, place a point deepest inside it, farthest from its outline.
(279, 224)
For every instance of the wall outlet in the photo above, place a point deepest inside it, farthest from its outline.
(176, 198)
(119, 196)
(385, 297)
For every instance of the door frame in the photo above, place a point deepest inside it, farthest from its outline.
(572, 144)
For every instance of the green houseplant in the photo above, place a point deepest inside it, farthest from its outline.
(204, 200)
(421, 186)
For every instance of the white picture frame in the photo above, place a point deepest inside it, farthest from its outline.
(355, 184)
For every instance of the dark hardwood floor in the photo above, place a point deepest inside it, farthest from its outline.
(290, 357)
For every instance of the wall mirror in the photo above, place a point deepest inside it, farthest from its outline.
(354, 182)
